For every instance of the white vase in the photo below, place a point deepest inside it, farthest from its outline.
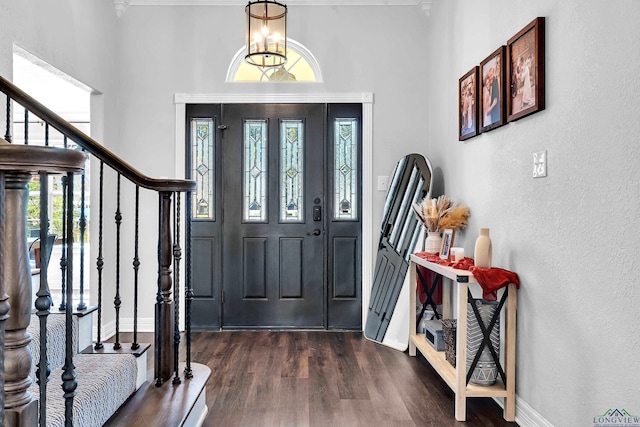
(433, 242)
(486, 370)
(482, 253)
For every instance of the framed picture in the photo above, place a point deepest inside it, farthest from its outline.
(492, 72)
(447, 243)
(468, 105)
(525, 60)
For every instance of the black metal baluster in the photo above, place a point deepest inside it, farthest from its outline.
(116, 301)
(188, 287)
(69, 382)
(63, 257)
(26, 126)
(159, 299)
(46, 134)
(43, 300)
(4, 298)
(136, 267)
(7, 135)
(82, 223)
(100, 260)
(177, 256)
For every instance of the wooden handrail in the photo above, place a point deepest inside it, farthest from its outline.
(91, 145)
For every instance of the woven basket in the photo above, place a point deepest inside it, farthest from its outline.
(449, 337)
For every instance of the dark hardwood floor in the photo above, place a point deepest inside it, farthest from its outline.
(302, 378)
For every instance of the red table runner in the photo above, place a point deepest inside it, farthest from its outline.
(490, 279)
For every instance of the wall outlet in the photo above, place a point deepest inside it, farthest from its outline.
(540, 164)
(383, 183)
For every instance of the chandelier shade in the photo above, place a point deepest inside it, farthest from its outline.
(266, 36)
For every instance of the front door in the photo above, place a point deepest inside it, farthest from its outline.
(273, 229)
(276, 217)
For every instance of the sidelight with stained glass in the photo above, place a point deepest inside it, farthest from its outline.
(345, 169)
(291, 171)
(203, 172)
(255, 171)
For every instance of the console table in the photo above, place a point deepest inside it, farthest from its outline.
(456, 378)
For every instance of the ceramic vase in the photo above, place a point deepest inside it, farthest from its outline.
(486, 371)
(433, 242)
(482, 253)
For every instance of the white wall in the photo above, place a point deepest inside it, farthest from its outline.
(573, 235)
(73, 35)
(77, 37)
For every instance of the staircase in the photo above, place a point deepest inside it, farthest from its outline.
(105, 381)
(86, 382)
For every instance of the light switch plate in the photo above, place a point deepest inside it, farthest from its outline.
(383, 183)
(540, 164)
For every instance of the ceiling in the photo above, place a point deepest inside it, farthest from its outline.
(122, 5)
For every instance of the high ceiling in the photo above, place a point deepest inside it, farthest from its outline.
(122, 5)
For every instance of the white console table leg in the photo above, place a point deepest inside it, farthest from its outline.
(412, 307)
(461, 354)
(510, 345)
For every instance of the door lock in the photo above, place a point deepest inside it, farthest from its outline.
(315, 232)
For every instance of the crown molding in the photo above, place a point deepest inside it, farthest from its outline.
(122, 5)
(426, 6)
(272, 98)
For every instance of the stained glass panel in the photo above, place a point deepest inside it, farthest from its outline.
(291, 171)
(345, 169)
(255, 171)
(203, 169)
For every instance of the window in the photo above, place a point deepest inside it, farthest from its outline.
(301, 66)
(202, 153)
(345, 169)
(255, 171)
(291, 171)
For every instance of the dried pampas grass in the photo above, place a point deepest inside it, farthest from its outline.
(439, 214)
(456, 218)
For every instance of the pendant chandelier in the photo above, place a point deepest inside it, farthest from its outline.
(266, 33)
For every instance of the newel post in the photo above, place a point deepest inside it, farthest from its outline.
(4, 298)
(21, 409)
(17, 163)
(164, 304)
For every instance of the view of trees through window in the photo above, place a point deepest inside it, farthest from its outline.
(55, 207)
(70, 99)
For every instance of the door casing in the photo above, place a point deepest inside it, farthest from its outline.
(366, 99)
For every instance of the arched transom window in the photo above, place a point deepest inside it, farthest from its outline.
(301, 66)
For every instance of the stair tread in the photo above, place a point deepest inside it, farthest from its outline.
(166, 405)
(125, 349)
(80, 313)
(104, 383)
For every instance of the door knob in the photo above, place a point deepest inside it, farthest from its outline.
(315, 232)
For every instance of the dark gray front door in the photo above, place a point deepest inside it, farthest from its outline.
(276, 232)
(273, 231)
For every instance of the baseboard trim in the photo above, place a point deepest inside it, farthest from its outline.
(145, 324)
(108, 330)
(526, 416)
